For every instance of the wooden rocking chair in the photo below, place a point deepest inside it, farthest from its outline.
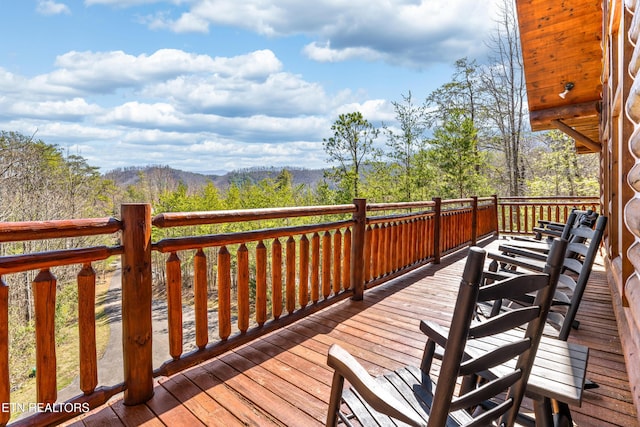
(410, 395)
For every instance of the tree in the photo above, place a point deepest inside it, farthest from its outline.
(462, 95)
(453, 152)
(504, 89)
(351, 146)
(560, 171)
(406, 142)
(39, 182)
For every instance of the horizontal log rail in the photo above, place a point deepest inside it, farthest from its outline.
(57, 229)
(244, 284)
(46, 260)
(176, 219)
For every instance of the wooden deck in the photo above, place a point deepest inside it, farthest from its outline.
(282, 379)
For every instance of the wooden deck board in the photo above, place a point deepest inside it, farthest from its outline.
(282, 378)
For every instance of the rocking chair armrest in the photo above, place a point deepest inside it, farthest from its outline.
(435, 332)
(373, 393)
(526, 263)
(522, 252)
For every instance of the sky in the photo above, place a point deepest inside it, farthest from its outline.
(216, 85)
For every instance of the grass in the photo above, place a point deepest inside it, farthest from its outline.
(67, 350)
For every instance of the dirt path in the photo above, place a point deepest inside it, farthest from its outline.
(110, 369)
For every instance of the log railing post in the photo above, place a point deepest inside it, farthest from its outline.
(495, 207)
(5, 413)
(474, 221)
(357, 248)
(437, 221)
(136, 303)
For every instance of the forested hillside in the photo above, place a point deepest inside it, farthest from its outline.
(124, 177)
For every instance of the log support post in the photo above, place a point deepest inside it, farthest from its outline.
(357, 248)
(136, 303)
(474, 221)
(495, 207)
(5, 413)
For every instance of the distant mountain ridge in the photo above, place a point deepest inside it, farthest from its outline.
(124, 177)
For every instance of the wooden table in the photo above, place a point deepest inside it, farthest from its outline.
(558, 373)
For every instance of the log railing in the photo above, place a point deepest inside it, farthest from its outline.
(44, 295)
(264, 279)
(520, 214)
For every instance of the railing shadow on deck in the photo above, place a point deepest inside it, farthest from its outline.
(269, 346)
(342, 258)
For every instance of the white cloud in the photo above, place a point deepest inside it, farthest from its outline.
(324, 53)
(70, 109)
(126, 3)
(117, 109)
(401, 31)
(135, 113)
(49, 7)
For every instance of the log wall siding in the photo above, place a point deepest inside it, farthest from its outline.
(265, 279)
(620, 133)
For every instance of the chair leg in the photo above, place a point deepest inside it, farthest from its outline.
(334, 399)
(562, 416)
(543, 412)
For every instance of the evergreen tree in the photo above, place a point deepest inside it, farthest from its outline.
(351, 146)
(453, 152)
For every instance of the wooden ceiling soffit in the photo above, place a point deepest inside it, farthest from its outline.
(577, 136)
(542, 119)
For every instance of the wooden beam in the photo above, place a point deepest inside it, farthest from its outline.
(580, 138)
(541, 119)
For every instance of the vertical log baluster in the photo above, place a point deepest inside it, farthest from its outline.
(315, 268)
(276, 278)
(395, 252)
(44, 301)
(201, 298)
(4, 351)
(381, 231)
(261, 283)
(424, 237)
(437, 229)
(390, 248)
(406, 243)
(290, 282)
(413, 241)
(224, 293)
(346, 260)
(337, 261)
(174, 304)
(369, 264)
(243, 288)
(383, 258)
(326, 264)
(303, 288)
(375, 249)
(87, 329)
(419, 238)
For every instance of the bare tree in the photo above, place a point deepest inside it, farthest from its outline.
(505, 96)
(407, 141)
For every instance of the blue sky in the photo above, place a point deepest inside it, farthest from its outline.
(215, 85)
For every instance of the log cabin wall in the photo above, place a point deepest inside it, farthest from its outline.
(620, 136)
